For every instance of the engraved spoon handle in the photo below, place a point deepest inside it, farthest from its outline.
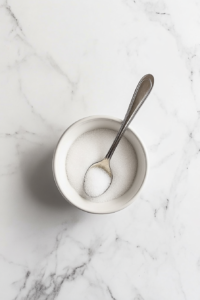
(142, 91)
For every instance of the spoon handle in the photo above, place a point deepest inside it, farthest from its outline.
(142, 91)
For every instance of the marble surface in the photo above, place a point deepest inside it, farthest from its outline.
(67, 59)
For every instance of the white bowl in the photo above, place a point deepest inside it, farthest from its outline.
(62, 182)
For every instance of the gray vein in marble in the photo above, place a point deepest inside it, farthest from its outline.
(163, 160)
(187, 53)
(28, 102)
(28, 273)
(39, 287)
(12, 15)
(154, 147)
(111, 295)
(5, 259)
(21, 135)
(57, 68)
(138, 297)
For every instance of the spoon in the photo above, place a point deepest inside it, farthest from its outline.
(99, 175)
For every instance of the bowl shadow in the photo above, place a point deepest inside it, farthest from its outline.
(38, 177)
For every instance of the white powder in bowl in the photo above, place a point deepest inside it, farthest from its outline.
(96, 181)
(92, 147)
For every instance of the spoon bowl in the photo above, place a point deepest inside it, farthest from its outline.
(102, 170)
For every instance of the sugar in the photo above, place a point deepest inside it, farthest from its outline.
(92, 147)
(96, 181)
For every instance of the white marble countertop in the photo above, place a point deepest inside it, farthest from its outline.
(64, 60)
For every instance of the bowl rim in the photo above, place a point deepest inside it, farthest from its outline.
(133, 132)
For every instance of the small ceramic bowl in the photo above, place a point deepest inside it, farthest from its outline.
(62, 182)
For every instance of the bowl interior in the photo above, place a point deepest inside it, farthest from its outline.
(64, 144)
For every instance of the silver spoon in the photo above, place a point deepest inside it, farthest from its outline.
(142, 91)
